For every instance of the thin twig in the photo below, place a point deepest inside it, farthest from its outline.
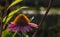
(42, 20)
(58, 34)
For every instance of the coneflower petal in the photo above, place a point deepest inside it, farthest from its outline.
(11, 25)
(29, 27)
(14, 29)
(26, 28)
(21, 29)
(33, 25)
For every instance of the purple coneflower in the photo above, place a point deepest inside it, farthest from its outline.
(22, 24)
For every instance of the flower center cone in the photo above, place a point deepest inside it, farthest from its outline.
(22, 22)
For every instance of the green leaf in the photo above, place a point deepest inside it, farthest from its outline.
(14, 3)
(27, 36)
(6, 33)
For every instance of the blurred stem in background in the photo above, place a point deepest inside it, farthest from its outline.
(1, 23)
(3, 11)
(0, 27)
(42, 20)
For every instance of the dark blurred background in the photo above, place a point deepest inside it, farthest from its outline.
(32, 2)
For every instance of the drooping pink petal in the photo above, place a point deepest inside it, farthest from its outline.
(29, 27)
(22, 29)
(14, 29)
(33, 25)
(26, 28)
(11, 25)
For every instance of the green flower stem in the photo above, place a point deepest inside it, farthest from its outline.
(14, 34)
